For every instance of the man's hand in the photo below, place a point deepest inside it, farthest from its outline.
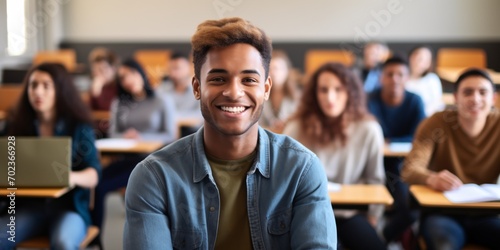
(443, 181)
(131, 134)
(98, 82)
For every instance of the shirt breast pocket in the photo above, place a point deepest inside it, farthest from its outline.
(187, 239)
(278, 227)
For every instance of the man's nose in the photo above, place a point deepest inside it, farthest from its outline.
(233, 90)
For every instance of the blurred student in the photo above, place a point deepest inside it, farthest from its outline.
(283, 99)
(137, 113)
(104, 86)
(232, 184)
(455, 147)
(332, 121)
(178, 88)
(51, 106)
(423, 81)
(374, 55)
(398, 112)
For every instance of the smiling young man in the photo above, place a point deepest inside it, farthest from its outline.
(232, 184)
(456, 147)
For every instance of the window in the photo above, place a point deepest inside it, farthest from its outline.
(16, 28)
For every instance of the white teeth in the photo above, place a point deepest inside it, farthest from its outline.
(233, 109)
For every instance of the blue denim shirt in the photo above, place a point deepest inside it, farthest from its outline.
(172, 200)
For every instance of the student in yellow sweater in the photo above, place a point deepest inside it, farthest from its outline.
(455, 147)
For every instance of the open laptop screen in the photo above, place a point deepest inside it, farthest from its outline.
(38, 162)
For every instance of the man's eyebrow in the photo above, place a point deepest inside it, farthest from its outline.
(214, 71)
(246, 71)
(250, 71)
(475, 88)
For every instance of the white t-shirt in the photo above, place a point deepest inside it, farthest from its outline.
(429, 88)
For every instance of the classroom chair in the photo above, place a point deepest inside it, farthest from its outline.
(461, 58)
(155, 62)
(9, 95)
(314, 58)
(66, 57)
(43, 242)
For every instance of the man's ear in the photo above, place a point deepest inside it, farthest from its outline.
(267, 86)
(196, 88)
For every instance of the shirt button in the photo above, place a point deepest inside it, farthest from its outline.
(212, 209)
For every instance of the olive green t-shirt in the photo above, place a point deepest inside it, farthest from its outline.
(230, 177)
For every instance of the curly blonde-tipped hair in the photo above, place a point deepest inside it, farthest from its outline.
(226, 32)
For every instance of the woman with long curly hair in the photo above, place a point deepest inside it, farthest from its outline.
(332, 120)
(50, 106)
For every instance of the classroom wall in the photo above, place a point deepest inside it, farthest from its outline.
(284, 20)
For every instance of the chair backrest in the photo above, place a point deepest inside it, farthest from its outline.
(315, 58)
(155, 63)
(461, 58)
(66, 57)
(9, 95)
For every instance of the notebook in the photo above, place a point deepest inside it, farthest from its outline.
(474, 193)
(39, 162)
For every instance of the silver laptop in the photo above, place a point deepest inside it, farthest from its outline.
(39, 162)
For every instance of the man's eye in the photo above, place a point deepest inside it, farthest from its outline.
(250, 80)
(217, 79)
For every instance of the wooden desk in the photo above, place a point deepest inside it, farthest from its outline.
(140, 147)
(36, 192)
(100, 115)
(3, 115)
(452, 74)
(360, 195)
(427, 197)
(392, 150)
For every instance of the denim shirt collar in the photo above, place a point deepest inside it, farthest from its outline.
(59, 128)
(202, 168)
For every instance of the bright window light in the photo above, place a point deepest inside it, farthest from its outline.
(16, 28)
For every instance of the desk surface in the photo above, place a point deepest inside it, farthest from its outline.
(452, 74)
(36, 192)
(428, 197)
(361, 194)
(140, 147)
